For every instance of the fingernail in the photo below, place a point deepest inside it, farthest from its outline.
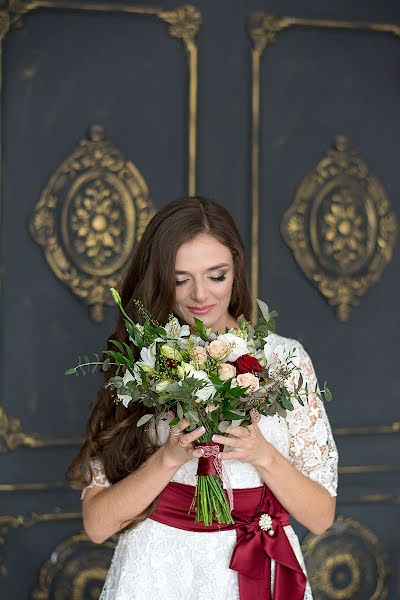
(201, 450)
(201, 429)
(214, 438)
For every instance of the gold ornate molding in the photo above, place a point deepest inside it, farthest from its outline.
(264, 30)
(12, 436)
(184, 23)
(368, 429)
(347, 561)
(341, 228)
(89, 216)
(78, 573)
(80, 564)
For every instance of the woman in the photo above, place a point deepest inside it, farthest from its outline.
(191, 261)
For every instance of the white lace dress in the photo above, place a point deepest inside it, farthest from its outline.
(155, 561)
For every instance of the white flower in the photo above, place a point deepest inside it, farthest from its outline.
(126, 398)
(207, 391)
(248, 379)
(217, 349)
(148, 357)
(176, 331)
(237, 344)
(226, 371)
(275, 356)
(161, 385)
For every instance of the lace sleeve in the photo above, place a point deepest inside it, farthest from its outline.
(312, 447)
(98, 476)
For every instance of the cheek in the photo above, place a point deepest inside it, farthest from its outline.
(225, 291)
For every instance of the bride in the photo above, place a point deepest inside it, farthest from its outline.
(191, 261)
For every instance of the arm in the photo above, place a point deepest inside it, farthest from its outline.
(108, 509)
(305, 484)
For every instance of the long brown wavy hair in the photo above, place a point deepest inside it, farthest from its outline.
(111, 432)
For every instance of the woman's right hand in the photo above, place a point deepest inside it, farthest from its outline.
(177, 454)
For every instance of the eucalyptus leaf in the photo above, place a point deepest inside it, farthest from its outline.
(144, 420)
(264, 309)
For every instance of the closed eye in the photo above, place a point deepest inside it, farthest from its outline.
(219, 278)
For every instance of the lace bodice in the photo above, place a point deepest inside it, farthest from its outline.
(304, 436)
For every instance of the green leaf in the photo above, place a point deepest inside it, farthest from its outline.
(264, 309)
(215, 417)
(71, 371)
(174, 421)
(118, 345)
(300, 382)
(144, 420)
(179, 410)
(328, 394)
(106, 365)
(232, 415)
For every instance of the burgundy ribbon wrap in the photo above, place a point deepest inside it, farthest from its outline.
(254, 549)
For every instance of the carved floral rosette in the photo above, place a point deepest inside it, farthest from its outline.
(75, 570)
(346, 562)
(340, 228)
(89, 216)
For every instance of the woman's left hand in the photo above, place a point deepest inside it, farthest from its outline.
(248, 443)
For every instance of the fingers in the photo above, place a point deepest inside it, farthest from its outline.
(180, 426)
(227, 441)
(187, 438)
(238, 432)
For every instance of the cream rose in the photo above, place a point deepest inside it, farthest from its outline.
(199, 355)
(217, 349)
(248, 379)
(226, 371)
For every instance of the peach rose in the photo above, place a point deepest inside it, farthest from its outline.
(245, 379)
(199, 354)
(226, 371)
(217, 348)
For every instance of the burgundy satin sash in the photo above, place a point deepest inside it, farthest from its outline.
(254, 548)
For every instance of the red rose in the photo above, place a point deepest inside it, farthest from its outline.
(247, 364)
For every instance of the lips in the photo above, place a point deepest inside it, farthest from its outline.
(200, 310)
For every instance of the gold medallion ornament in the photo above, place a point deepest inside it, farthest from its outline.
(341, 228)
(347, 562)
(89, 217)
(75, 570)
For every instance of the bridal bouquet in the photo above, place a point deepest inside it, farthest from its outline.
(211, 379)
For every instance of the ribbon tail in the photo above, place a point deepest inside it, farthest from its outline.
(289, 580)
(225, 480)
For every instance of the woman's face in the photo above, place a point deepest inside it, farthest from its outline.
(204, 277)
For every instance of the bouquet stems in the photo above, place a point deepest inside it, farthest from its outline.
(209, 498)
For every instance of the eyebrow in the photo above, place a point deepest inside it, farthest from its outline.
(210, 269)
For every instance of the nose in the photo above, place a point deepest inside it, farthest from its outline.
(199, 291)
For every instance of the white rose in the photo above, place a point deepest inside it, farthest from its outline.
(226, 371)
(199, 355)
(217, 348)
(248, 379)
(275, 356)
(237, 344)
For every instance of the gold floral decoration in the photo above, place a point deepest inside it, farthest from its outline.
(340, 228)
(184, 22)
(347, 561)
(89, 217)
